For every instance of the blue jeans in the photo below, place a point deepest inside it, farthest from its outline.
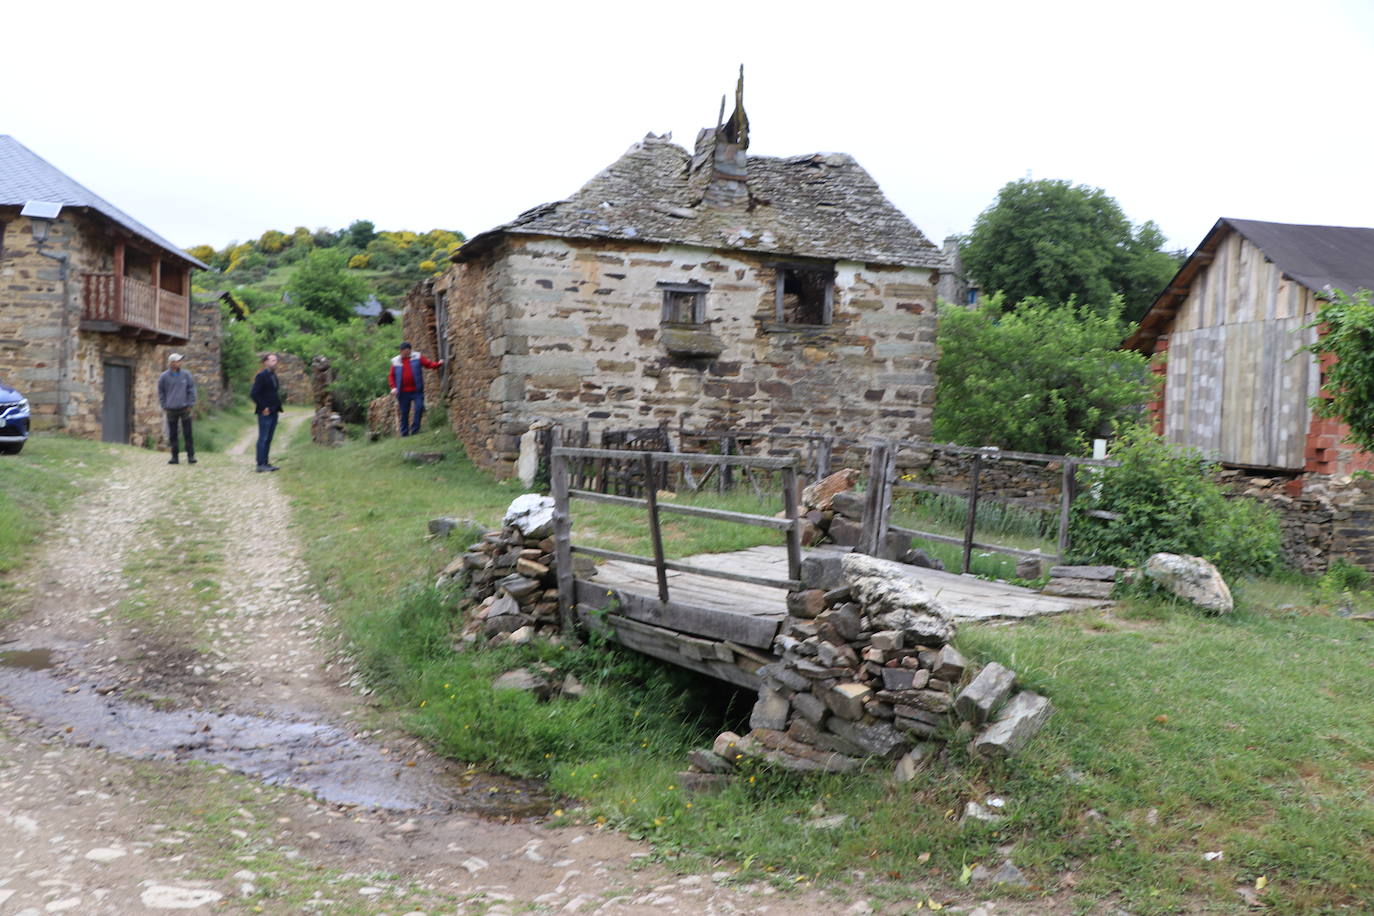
(179, 421)
(404, 401)
(267, 425)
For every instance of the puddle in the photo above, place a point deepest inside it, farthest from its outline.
(321, 759)
(31, 659)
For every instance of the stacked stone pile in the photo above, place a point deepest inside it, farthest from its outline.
(510, 576)
(326, 426)
(1082, 581)
(867, 670)
(832, 513)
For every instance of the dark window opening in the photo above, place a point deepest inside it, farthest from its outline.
(684, 303)
(804, 295)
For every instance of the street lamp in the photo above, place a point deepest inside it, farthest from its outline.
(41, 213)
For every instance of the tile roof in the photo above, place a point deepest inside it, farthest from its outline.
(25, 176)
(821, 206)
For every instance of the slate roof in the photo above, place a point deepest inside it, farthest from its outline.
(821, 206)
(1341, 257)
(26, 176)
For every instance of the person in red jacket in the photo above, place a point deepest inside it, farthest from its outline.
(407, 383)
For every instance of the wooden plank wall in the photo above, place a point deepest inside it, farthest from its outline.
(1237, 385)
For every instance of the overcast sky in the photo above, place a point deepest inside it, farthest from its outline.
(214, 122)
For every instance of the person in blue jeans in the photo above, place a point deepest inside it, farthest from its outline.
(266, 397)
(407, 383)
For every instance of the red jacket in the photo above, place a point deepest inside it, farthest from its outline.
(404, 375)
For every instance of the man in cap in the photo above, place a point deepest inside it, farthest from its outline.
(407, 383)
(176, 392)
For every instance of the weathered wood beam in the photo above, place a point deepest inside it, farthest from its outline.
(696, 620)
(743, 518)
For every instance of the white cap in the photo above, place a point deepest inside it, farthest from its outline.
(175, 358)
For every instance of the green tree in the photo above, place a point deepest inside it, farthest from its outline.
(1040, 377)
(359, 233)
(1345, 330)
(322, 284)
(1053, 240)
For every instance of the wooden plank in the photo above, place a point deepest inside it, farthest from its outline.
(692, 646)
(562, 540)
(664, 647)
(789, 501)
(972, 518)
(655, 529)
(677, 457)
(697, 620)
(1068, 489)
(742, 518)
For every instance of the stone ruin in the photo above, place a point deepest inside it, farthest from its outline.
(868, 671)
(326, 427)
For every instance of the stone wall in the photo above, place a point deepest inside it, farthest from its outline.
(202, 353)
(573, 331)
(1323, 517)
(294, 377)
(43, 352)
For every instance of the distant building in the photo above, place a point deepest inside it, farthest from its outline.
(1233, 324)
(91, 304)
(708, 287)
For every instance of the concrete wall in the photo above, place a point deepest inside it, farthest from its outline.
(571, 331)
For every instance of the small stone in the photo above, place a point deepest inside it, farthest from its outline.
(984, 693)
(726, 746)
(976, 812)
(770, 711)
(808, 603)
(710, 762)
(810, 707)
(847, 699)
(1015, 725)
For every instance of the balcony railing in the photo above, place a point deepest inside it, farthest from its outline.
(142, 307)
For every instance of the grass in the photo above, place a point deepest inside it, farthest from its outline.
(35, 487)
(1174, 735)
(216, 431)
(995, 523)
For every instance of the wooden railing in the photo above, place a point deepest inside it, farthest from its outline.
(652, 468)
(142, 306)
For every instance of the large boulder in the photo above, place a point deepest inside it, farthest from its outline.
(894, 601)
(532, 514)
(1192, 579)
(821, 495)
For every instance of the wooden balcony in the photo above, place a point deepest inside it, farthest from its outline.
(135, 308)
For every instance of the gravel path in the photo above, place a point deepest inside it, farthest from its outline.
(178, 731)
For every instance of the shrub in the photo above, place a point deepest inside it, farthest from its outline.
(1041, 378)
(1168, 500)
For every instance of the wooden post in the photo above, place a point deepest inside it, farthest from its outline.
(119, 281)
(789, 504)
(655, 532)
(873, 505)
(1068, 489)
(824, 451)
(159, 320)
(885, 506)
(562, 544)
(725, 477)
(972, 510)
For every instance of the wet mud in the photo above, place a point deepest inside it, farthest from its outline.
(324, 760)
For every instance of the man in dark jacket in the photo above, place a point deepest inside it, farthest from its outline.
(267, 404)
(407, 382)
(176, 392)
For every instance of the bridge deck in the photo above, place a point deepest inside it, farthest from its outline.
(725, 629)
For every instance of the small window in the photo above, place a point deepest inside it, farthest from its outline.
(684, 303)
(804, 294)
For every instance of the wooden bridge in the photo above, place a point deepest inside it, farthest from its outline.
(718, 614)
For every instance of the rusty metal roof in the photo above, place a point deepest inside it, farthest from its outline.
(818, 206)
(1341, 257)
(26, 176)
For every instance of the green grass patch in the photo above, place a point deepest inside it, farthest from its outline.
(1174, 734)
(218, 430)
(36, 487)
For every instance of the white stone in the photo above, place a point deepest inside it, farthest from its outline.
(166, 897)
(105, 854)
(1192, 579)
(527, 465)
(532, 514)
(894, 601)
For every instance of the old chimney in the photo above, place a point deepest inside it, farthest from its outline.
(722, 150)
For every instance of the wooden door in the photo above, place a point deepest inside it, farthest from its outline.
(117, 408)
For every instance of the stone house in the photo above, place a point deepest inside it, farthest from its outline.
(91, 304)
(1230, 329)
(707, 287)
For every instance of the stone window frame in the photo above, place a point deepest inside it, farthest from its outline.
(782, 269)
(691, 294)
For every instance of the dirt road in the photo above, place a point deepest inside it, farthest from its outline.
(179, 731)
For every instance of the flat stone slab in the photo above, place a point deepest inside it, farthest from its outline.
(1101, 573)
